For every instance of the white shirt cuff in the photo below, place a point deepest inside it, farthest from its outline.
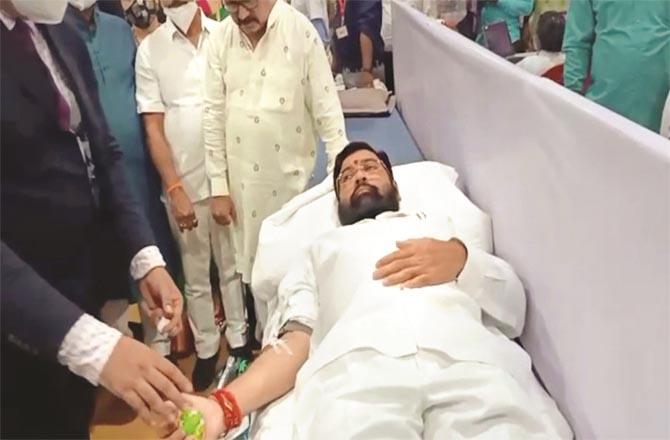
(219, 186)
(146, 259)
(87, 347)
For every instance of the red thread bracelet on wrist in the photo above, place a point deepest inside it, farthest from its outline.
(232, 415)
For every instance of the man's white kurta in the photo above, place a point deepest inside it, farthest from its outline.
(332, 292)
(169, 77)
(264, 108)
(478, 384)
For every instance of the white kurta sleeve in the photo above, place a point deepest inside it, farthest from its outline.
(214, 116)
(497, 289)
(297, 300)
(323, 101)
(148, 93)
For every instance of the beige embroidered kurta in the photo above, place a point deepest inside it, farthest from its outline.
(264, 109)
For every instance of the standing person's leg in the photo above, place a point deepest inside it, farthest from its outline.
(158, 342)
(388, 71)
(195, 249)
(473, 400)
(232, 291)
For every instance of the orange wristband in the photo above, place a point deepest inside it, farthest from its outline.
(174, 186)
(232, 415)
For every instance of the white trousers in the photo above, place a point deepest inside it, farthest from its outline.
(197, 247)
(367, 395)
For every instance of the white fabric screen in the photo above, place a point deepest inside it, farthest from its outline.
(580, 202)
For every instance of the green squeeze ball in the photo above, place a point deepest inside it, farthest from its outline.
(192, 423)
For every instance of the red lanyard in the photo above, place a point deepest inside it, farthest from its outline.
(343, 4)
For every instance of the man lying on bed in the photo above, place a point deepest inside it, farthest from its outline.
(406, 328)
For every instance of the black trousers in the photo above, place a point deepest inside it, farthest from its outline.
(42, 399)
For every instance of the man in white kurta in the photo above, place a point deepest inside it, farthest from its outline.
(267, 99)
(429, 358)
(170, 69)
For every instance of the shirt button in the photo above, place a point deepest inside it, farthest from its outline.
(285, 49)
(277, 147)
(340, 132)
(327, 89)
(298, 130)
(296, 173)
(238, 140)
(313, 153)
(318, 121)
(257, 119)
(242, 186)
(274, 193)
(307, 34)
(256, 167)
(242, 92)
(282, 101)
(263, 72)
(253, 214)
(242, 44)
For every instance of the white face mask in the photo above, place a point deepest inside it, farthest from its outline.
(182, 16)
(82, 4)
(41, 11)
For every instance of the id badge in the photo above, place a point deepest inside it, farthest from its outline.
(341, 32)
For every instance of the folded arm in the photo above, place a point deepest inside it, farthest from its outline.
(488, 279)
(497, 289)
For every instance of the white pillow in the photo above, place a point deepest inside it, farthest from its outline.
(284, 236)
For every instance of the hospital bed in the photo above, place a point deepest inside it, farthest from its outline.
(424, 186)
(580, 204)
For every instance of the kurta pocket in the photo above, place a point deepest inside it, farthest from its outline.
(279, 89)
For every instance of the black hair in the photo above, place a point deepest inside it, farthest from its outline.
(352, 148)
(550, 30)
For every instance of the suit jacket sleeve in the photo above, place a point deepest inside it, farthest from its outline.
(116, 199)
(28, 298)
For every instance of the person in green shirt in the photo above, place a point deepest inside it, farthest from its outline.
(111, 47)
(625, 47)
(509, 11)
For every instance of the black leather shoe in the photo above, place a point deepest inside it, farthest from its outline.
(204, 372)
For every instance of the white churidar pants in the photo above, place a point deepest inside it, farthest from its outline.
(197, 247)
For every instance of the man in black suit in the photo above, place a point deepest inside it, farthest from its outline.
(70, 233)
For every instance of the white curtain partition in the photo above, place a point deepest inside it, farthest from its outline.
(580, 201)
